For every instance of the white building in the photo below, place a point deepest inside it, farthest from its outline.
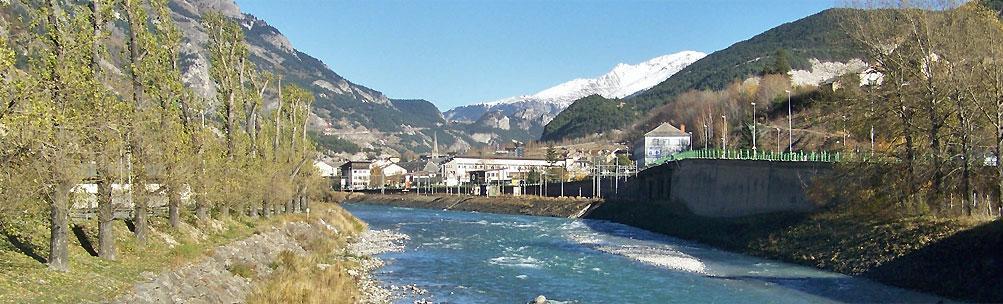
(661, 141)
(457, 170)
(355, 175)
(393, 170)
(325, 169)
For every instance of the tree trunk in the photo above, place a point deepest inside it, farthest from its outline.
(140, 210)
(106, 216)
(933, 199)
(278, 125)
(306, 121)
(265, 208)
(59, 225)
(174, 204)
(999, 160)
(201, 206)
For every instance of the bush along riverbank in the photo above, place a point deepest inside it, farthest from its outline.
(956, 258)
(302, 258)
(523, 205)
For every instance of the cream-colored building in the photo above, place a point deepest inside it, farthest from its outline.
(457, 170)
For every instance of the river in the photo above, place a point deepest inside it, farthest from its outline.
(470, 257)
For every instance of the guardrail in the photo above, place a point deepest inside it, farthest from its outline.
(801, 156)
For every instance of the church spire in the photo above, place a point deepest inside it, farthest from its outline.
(435, 144)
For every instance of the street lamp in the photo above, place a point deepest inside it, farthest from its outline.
(690, 141)
(753, 127)
(706, 136)
(778, 140)
(790, 124)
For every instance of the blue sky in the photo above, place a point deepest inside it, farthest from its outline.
(455, 52)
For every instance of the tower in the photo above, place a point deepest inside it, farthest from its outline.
(435, 144)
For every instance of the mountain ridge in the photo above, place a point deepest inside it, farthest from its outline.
(621, 81)
(817, 36)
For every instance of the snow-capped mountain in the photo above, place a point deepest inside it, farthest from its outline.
(622, 81)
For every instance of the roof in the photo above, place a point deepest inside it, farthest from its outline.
(357, 164)
(419, 166)
(500, 157)
(664, 130)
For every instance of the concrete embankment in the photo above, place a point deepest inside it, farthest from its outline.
(525, 205)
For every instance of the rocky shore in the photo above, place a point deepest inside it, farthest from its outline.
(363, 250)
(524, 205)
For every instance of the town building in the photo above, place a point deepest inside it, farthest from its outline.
(355, 175)
(661, 141)
(326, 170)
(387, 175)
(496, 169)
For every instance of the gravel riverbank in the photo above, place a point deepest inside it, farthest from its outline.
(364, 250)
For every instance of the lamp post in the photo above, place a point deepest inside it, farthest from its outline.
(690, 141)
(790, 124)
(778, 140)
(706, 136)
(753, 127)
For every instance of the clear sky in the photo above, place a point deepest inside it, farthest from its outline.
(454, 52)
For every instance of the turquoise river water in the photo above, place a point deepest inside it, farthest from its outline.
(469, 257)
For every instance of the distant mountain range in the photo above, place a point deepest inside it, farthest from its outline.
(622, 81)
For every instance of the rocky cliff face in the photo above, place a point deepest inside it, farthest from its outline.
(343, 108)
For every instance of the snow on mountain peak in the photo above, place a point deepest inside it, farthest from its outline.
(622, 81)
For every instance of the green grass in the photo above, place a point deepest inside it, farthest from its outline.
(24, 279)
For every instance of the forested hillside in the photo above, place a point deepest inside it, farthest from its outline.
(817, 36)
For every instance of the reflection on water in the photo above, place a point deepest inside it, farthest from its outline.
(465, 257)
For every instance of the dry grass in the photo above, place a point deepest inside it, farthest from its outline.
(307, 279)
(321, 276)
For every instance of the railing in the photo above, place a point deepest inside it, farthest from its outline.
(800, 156)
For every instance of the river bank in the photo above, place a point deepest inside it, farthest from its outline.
(523, 205)
(303, 258)
(955, 258)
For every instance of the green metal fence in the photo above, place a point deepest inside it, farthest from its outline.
(800, 156)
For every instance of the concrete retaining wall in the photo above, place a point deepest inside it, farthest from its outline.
(728, 188)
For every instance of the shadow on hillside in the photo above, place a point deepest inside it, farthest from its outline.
(967, 265)
(85, 241)
(25, 248)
